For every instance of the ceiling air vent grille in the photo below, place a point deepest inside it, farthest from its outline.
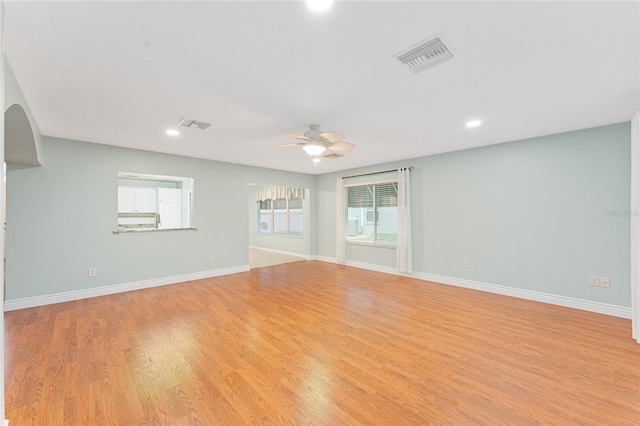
(187, 122)
(426, 54)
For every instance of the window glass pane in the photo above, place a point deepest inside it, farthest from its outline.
(368, 216)
(281, 217)
(280, 223)
(295, 224)
(371, 223)
(387, 225)
(265, 205)
(295, 204)
(359, 202)
(386, 213)
(360, 196)
(280, 205)
(264, 227)
(357, 227)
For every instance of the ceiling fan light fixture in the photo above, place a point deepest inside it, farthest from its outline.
(319, 5)
(314, 149)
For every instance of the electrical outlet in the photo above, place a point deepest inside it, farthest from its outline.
(604, 282)
(465, 264)
(593, 280)
(210, 258)
(353, 249)
(92, 272)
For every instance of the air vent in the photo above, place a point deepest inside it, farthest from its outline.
(333, 156)
(187, 122)
(425, 54)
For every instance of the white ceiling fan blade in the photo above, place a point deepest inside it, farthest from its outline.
(286, 145)
(342, 146)
(293, 135)
(332, 136)
(333, 156)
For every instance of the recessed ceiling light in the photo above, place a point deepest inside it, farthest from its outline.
(172, 132)
(319, 5)
(474, 123)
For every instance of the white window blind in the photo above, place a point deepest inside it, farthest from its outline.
(372, 213)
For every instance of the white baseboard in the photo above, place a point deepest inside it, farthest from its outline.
(553, 299)
(371, 267)
(68, 296)
(569, 302)
(325, 259)
(288, 253)
(361, 265)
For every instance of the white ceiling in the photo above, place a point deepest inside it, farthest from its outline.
(121, 73)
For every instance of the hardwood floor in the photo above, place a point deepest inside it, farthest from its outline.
(322, 344)
(259, 258)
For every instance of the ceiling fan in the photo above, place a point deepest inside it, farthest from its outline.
(316, 142)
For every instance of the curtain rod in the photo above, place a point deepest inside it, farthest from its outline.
(376, 173)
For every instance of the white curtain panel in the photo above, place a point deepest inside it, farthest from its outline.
(404, 253)
(635, 226)
(341, 227)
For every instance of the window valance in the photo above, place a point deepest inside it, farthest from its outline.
(278, 192)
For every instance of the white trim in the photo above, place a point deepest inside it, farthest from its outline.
(372, 267)
(367, 244)
(552, 299)
(68, 296)
(289, 253)
(341, 221)
(2, 210)
(361, 265)
(634, 226)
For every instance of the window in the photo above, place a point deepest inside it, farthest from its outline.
(372, 213)
(281, 217)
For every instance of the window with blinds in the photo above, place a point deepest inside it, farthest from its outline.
(372, 213)
(282, 217)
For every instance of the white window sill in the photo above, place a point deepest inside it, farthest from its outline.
(280, 235)
(150, 231)
(367, 244)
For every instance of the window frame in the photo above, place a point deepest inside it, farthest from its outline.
(376, 220)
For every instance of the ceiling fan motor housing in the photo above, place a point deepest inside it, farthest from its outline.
(314, 132)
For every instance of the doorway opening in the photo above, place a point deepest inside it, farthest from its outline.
(278, 225)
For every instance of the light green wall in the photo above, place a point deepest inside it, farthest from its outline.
(530, 214)
(60, 219)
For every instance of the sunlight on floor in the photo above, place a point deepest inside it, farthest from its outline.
(259, 258)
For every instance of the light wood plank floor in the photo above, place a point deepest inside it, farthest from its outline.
(322, 344)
